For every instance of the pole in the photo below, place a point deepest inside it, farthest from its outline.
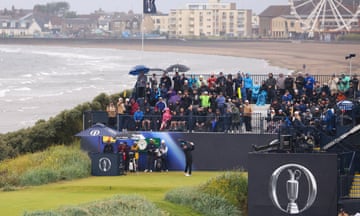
(142, 31)
(350, 67)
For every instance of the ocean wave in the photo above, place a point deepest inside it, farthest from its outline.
(27, 75)
(66, 55)
(51, 94)
(10, 50)
(3, 92)
(22, 89)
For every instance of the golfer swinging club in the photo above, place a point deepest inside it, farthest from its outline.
(187, 147)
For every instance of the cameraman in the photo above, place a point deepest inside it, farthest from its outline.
(188, 147)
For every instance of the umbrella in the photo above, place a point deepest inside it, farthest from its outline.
(98, 130)
(177, 68)
(138, 69)
(157, 69)
(345, 105)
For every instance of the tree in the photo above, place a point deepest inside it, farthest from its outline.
(54, 8)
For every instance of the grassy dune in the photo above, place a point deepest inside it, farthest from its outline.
(152, 186)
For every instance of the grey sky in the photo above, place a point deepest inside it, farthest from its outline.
(87, 6)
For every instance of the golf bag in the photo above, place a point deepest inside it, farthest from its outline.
(132, 162)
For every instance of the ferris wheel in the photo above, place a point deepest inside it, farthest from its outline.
(326, 15)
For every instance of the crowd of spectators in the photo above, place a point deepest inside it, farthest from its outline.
(219, 103)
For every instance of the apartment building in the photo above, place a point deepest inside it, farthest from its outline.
(211, 19)
(161, 23)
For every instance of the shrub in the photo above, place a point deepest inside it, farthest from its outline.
(202, 202)
(230, 185)
(39, 176)
(56, 163)
(117, 205)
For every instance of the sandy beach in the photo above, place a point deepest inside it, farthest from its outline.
(319, 57)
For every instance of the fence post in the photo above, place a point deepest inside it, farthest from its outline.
(262, 129)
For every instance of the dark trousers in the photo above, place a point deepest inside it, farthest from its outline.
(188, 165)
(164, 165)
(247, 121)
(150, 162)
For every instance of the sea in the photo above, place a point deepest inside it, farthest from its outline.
(38, 82)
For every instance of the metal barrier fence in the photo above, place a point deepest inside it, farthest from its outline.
(193, 123)
(261, 77)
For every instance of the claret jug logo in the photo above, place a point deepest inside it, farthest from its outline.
(94, 132)
(294, 173)
(104, 164)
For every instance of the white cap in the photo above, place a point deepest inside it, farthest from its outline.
(162, 141)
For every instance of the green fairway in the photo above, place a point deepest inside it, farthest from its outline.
(152, 186)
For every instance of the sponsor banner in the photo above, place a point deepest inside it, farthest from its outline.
(292, 184)
(105, 164)
(213, 151)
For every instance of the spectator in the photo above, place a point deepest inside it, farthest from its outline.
(160, 105)
(166, 118)
(287, 97)
(205, 99)
(299, 83)
(146, 122)
(201, 116)
(212, 82)
(247, 115)
(333, 85)
(176, 81)
(186, 87)
(165, 79)
(255, 91)
(193, 81)
(248, 84)
(238, 81)
(309, 84)
(220, 103)
(153, 81)
(289, 83)
(229, 86)
(201, 82)
(270, 88)
(344, 83)
(138, 118)
(111, 112)
(183, 78)
(236, 119)
(121, 111)
(186, 100)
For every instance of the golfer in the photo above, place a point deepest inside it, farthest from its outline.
(188, 147)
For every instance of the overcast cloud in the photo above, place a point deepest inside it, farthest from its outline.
(87, 6)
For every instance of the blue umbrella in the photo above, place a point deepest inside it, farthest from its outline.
(138, 69)
(98, 130)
